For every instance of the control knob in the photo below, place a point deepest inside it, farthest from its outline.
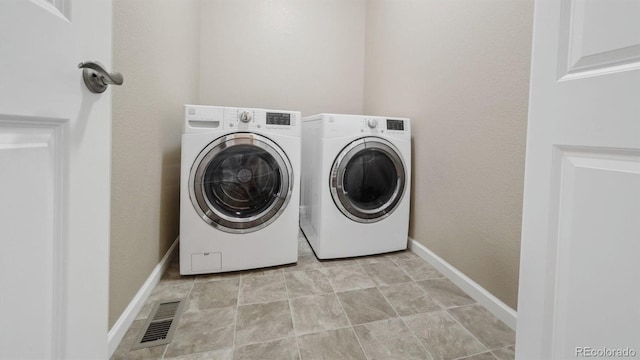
(372, 123)
(246, 116)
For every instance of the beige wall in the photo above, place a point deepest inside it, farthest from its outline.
(305, 55)
(460, 70)
(156, 48)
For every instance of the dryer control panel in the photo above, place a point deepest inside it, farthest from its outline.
(380, 125)
(341, 125)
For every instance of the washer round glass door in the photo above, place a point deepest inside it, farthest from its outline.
(368, 179)
(241, 182)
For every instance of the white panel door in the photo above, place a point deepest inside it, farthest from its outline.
(55, 145)
(579, 292)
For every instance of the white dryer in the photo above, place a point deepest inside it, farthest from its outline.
(355, 184)
(239, 189)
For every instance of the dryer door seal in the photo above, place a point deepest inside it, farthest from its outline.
(240, 183)
(368, 179)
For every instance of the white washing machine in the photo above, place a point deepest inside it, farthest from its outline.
(239, 189)
(355, 184)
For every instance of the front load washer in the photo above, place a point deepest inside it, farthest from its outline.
(239, 189)
(355, 184)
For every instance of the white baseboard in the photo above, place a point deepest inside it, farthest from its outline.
(501, 310)
(119, 329)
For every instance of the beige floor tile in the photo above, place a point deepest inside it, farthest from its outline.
(305, 262)
(446, 293)
(491, 332)
(252, 273)
(304, 283)
(218, 276)
(386, 273)
(506, 353)
(442, 336)
(203, 331)
(284, 349)
(419, 269)
(409, 299)
(303, 247)
(263, 322)
(213, 294)
(483, 356)
(372, 259)
(229, 275)
(330, 263)
(340, 344)
(366, 305)
(345, 278)
(403, 255)
(273, 270)
(225, 354)
(261, 289)
(317, 313)
(389, 340)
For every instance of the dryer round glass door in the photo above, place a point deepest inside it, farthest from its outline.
(240, 182)
(368, 179)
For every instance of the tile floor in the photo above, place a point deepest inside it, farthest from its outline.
(391, 306)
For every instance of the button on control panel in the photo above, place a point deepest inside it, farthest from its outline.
(245, 116)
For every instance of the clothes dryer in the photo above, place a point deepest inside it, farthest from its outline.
(356, 179)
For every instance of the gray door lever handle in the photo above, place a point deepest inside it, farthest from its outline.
(97, 78)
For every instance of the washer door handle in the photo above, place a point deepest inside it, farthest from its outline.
(97, 78)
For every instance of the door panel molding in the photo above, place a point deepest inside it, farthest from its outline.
(61, 8)
(586, 181)
(581, 54)
(32, 150)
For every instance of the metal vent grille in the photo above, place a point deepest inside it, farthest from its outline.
(157, 331)
(166, 310)
(160, 325)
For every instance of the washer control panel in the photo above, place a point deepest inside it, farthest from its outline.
(201, 118)
(254, 119)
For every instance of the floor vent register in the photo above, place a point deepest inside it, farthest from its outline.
(160, 325)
